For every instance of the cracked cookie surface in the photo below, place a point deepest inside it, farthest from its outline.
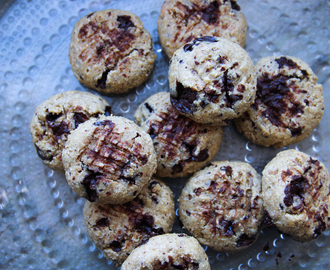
(222, 206)
(56, 117)
(119, 228)
(289, 103)
(181, 21)
(296, 192)
(109, 160)
(168, 251)
(111, 51)
(212, 80)
(182, 146)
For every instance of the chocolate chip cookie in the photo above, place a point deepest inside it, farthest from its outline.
(296, 192)
(182, 145)
(181, 21)
(289, 103)
(56, 117)
(168, 251)
(212, 80)
(119, 228)
(109, 160)
(111, 51)
(222, 206)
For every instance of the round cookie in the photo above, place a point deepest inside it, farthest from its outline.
(119, 228)
(56, 117)
(212, 80)
(295, 189)
(181, 21)
(289, 103)
(222, 206)
(111, 51)
(109, 160)
(182, 146)
(168, 251)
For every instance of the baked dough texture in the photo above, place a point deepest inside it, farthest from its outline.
(109, 160)
(212, 80)
(168, 251)
(181, 21)
(119, 228)
(56, 117)
(182, 146)
(296, 192)
(289, 103)
(222, 206)
(111, 51)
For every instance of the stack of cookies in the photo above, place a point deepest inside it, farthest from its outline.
(114, 163)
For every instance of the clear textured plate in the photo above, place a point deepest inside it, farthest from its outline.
(41, 221)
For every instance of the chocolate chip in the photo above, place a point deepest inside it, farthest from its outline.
(115, 246)
(90, 182)
(107, 111)
(150, 109)
(295, 131)
(227, 227)
(102, 82)
(198, 191)
(58, 128)
(189, 47)
(144, 223)
(202, 155)
(104, 123)
(44, 155)
(185, 98)
(234, 5)
(103, 222)
(177, 168)
(152, 184)
(227, 169)
(245, 240)
(268, 221)
(211, 13)
(125, 22)
(79, 118)
(295, 188)
(283, 61)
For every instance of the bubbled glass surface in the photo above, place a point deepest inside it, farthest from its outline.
(41, 221)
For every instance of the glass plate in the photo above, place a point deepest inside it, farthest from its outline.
(41, 221)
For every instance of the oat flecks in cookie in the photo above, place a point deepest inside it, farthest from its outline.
(56, 117)
(111, 51)
(222, 206)
(109, 160)
(212, 80)
(182, 145)
(168, 251)
(289, 103)
(181, 21)
(295, 188)
(118, 229)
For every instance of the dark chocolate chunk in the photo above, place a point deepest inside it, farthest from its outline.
(245, 240)
(202, 155)
(268, 221)
(79, 118)
(150, 109)
(211, 13)
(90, 182)
(103, 222)
(227, 227)
(104, 123)
(234, 5)
(184, 101)
(44, 155)
(58, 128)
(125, 22)
(283, 61)
(115, 246)
(102, 82)
(295, 131)
(177, 168)
(107, 111)
(227, 169)
(295, 188)
(189, 46)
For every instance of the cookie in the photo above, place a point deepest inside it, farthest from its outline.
(212, 80)
(119, 228)
(181, 21)
(168, 251)
(289, 103)
(295, 188)
(222, 206)
(182, 146)
(111, 51)
(109, 160)
(56, 117)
